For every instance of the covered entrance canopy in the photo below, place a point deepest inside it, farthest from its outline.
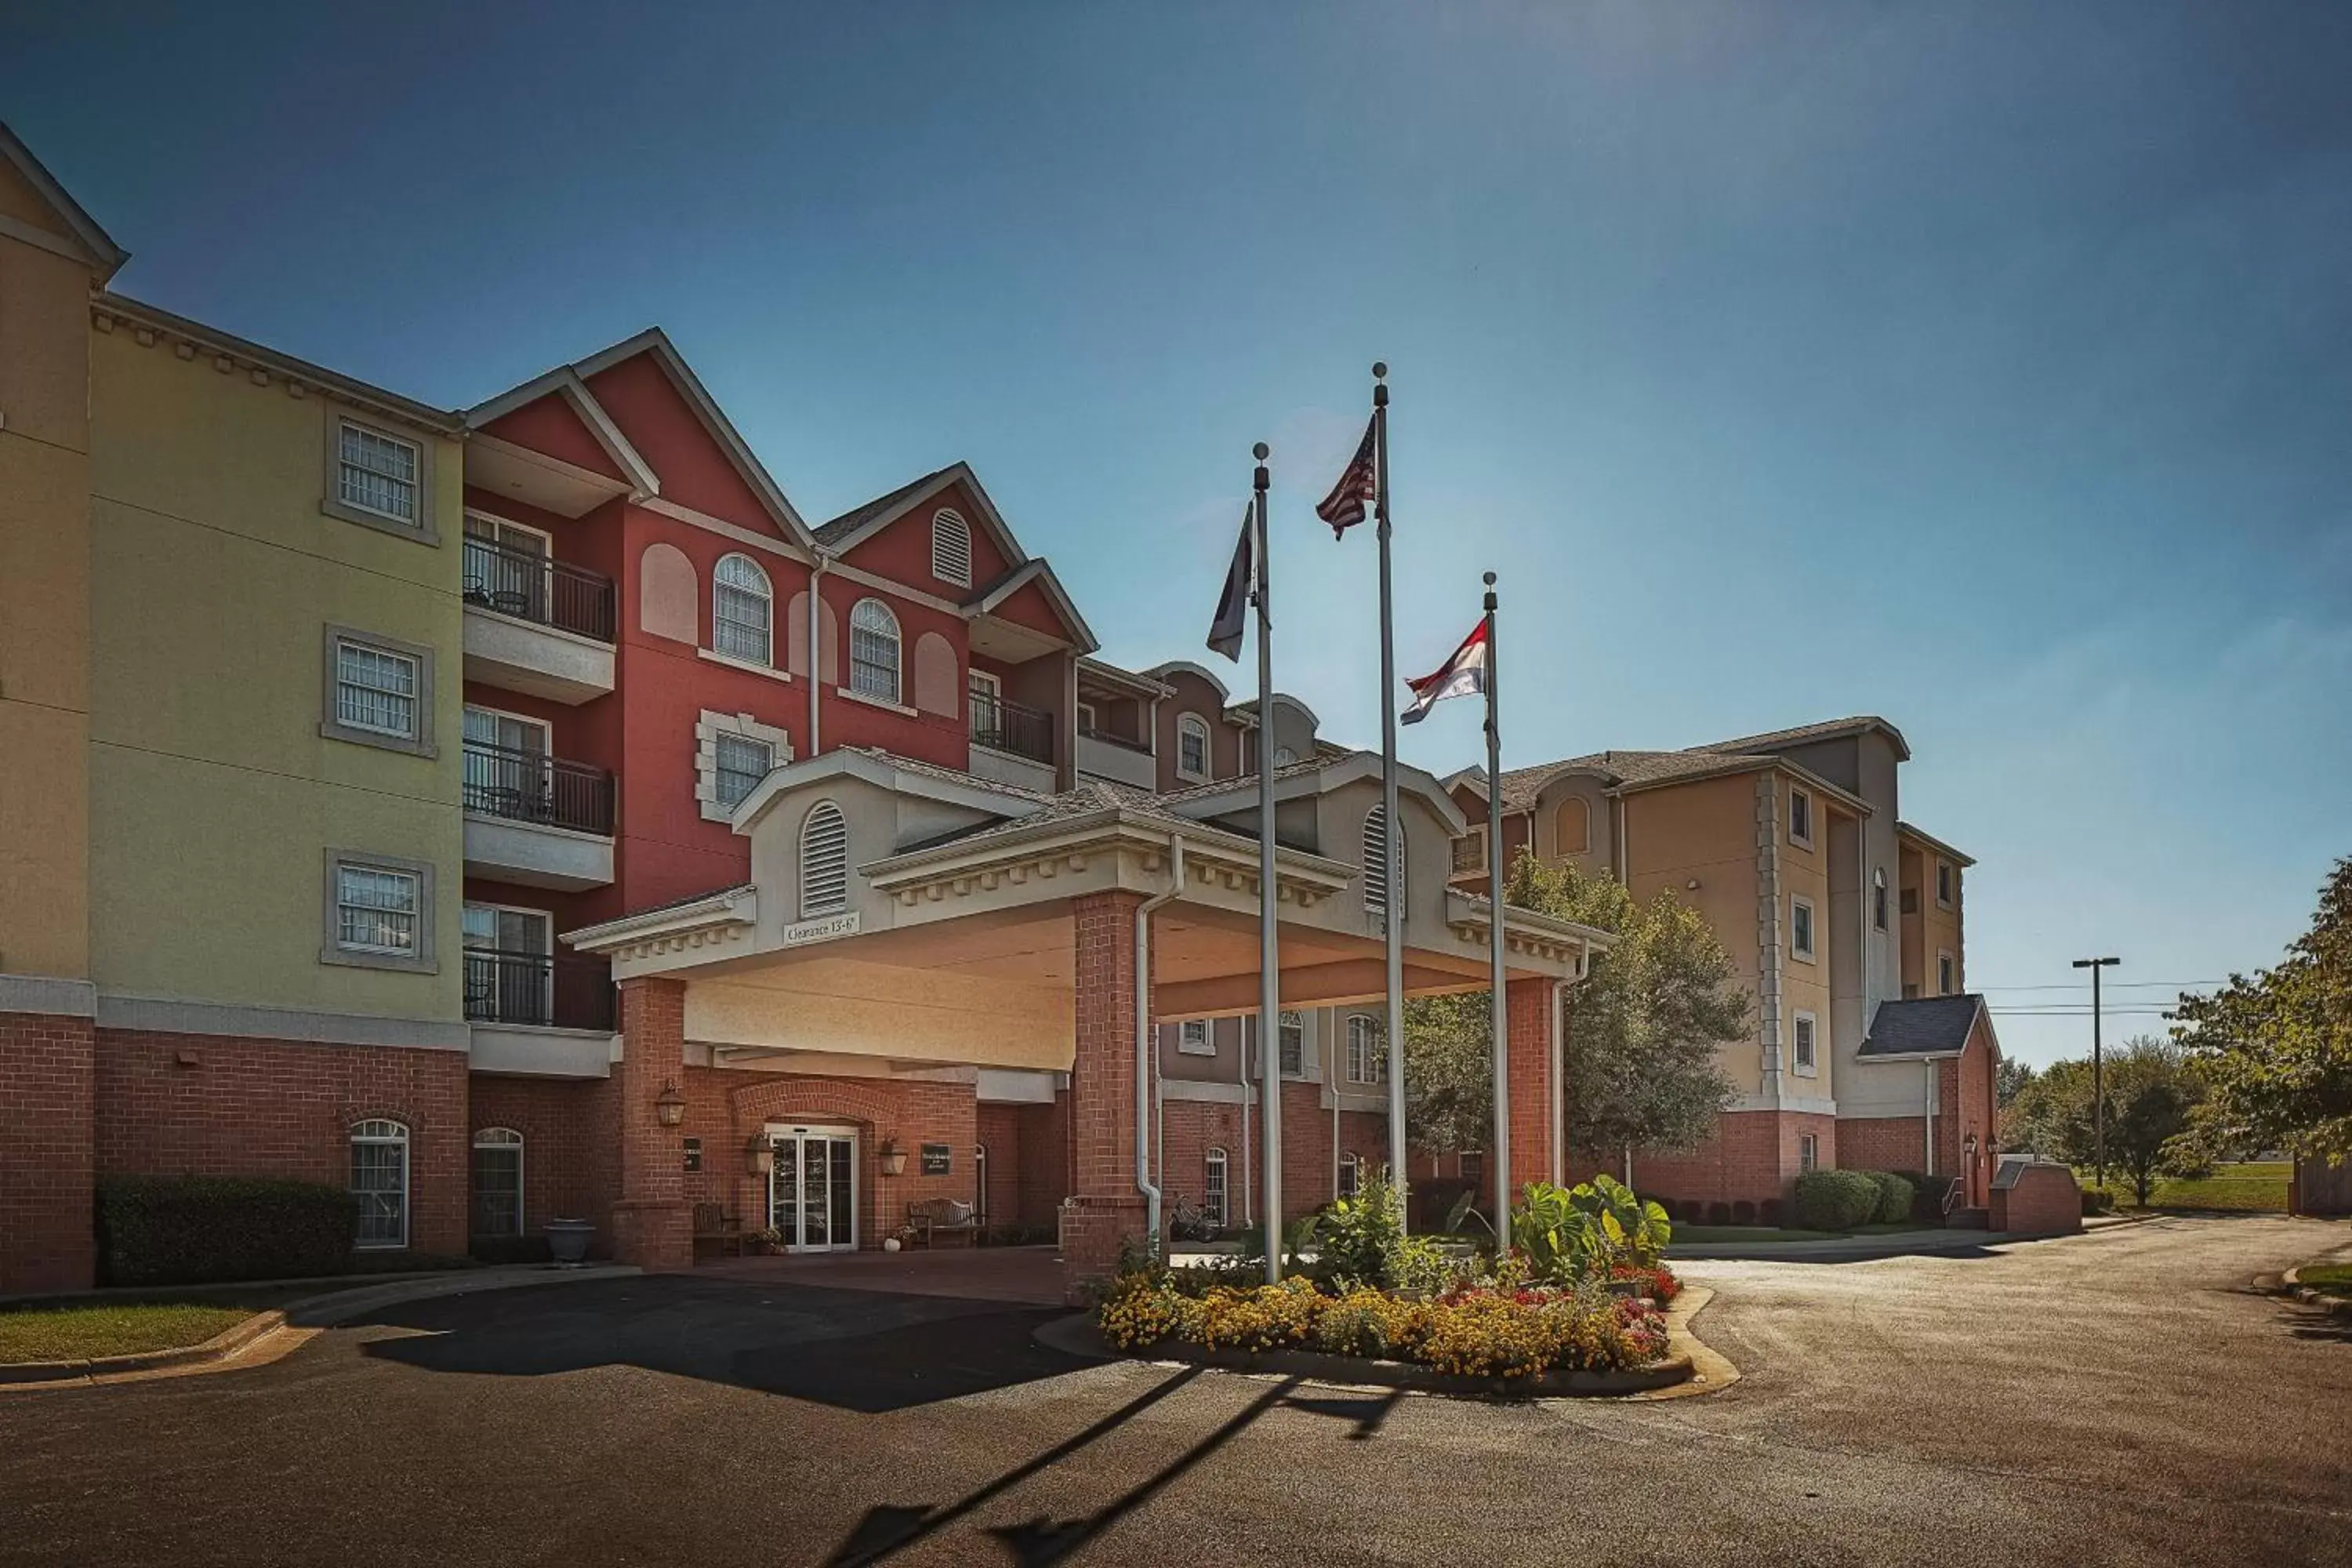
(908, 922)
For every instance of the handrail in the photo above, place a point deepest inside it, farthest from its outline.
(530, 787)
(539, 588)
(542, 990)
(1004, 725)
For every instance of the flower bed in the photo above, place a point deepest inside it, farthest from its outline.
(1477, 1332)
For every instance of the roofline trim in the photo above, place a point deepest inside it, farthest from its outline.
(101, 251)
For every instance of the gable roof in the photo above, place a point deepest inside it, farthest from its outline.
(1620, 772)
(858, 525)
(96, 247)
(564, 382)
(1805, 734)
(1037, 571)
(1922, 1026)
(737, 452)
(1938, 845)
(1160, 672)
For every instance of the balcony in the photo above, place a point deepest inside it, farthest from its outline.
(537, 626)
(1108, 756)
(536, 819)
(1010, 743)
(537, 990)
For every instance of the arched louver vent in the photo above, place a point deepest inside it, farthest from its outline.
(951, 548)
(825, 861)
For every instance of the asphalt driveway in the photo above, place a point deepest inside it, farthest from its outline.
(2118, 1398)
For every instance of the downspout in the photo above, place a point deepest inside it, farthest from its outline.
(1930, 1118)
(1559, 1124)
(1145, 1056)
(1241, 1055)
(816, 651)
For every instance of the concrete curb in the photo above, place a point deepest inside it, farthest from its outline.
(306, 1316)
(2290, 1284)
(1681, 1373)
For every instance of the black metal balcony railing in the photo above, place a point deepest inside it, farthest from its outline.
(535, 988)
(526, 786)
(1008, 726)
(534, 588)
(1125, 742)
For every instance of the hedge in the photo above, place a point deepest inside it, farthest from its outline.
(1835, 1200)
(1895, 1195)
(190, 1230)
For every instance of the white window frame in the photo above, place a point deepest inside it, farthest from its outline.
(720, 772)
(1809, 1152)
(501, 1138)
(827, 892)
(1216, 1186)
(1800, 803)
(765, 594)
(1290, 1043)
(1284, 756)
(1347, 1177)
(1367, 1055)
(1809, 928)
(878, 615)
(707, 728)
(1192, 727)
(1805, 1045)
(1947, 879)
(418, 958)
(332, 725)
(1195, 1038)
(960, 537)
(420, 527)
(1462, 1164)
(1948, 972)
(381, 1131)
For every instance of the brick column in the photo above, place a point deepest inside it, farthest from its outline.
(1104, 1209)
(652, 1222)
(1527, 1047)
(47, 1144)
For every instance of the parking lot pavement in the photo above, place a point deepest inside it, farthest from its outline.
(2123, 1398)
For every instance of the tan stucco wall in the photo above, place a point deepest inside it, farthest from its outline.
(1934, 928)
(44, 601)
(1806, 985)
(1705, 830)
(215, 575)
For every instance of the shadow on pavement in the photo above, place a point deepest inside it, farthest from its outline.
(854, 1350)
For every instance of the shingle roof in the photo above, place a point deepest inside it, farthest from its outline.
(1827, 728)
(1923, 1026)
(1520, 787)
(954, 775)
(850, 521)
(1247, 780)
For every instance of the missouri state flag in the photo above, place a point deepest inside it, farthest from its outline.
(1461, 675)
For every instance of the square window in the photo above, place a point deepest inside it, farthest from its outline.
(378, 692)
(378, 480)
(1800, 928)
(379, 913)
(1473, 1165)
(1943, 883)
(1803, 1033)
(1192, 1038)
(1367, 1059)
(1800, 817)
(742, 763)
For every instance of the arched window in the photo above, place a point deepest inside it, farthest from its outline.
(1376, 862)
(1193, 746)
(951, 548)
(1572, 827)
(874, 651)
(1213, 1188)
(497, 1182)
(1878, 898)
(825, 861)
(1284, 756)
(1351, 1174)
(1367, 1059)
(380, 1182)
(742, 610)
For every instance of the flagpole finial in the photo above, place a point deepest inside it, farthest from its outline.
(1261, 451)
(1490, 593)
(1379, 370)
(1490, 579)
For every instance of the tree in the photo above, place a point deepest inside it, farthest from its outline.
(2152, 1090)
(1641, 1033)
(2276, 1049)
(2011, 1079)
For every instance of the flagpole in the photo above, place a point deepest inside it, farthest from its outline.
(1269, 961)
(1396, 888)
(1500, 1045)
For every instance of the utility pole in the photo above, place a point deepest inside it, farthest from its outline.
(2098, 1068)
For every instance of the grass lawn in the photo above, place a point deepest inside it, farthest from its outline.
(2255, 1187)
(2336, 1278)
(70, 1334)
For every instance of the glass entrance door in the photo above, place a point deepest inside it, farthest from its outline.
(813, 1189)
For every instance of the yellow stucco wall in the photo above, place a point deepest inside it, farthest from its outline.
(1705, 830)
(213, 797)
(1805, 985)
(1934, 928)
(44, 576)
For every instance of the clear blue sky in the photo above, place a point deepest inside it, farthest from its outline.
(1986, 367)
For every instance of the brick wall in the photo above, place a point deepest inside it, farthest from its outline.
(45, 1165)
(1754, 1156)
(1045, 1160)
(999, 1128)
(1104, 1211)
(1527, 1047)
(221, 1105)
(570, 1163)
(1885, 1143)
(652, 1224)
(2044, 1201)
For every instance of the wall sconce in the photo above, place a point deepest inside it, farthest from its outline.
(760, 1155)
(669, 1109)
(893, 1158)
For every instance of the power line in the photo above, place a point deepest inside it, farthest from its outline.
(2112, 985)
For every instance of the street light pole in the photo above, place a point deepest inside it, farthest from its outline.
(2098, 1068)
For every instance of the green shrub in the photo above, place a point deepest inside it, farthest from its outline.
(2097, 1200)
(1422, 1266)
(190, 1230)
(1895, 1197)
(1835, 1200)
(1926, 1197)
(1356, 1238)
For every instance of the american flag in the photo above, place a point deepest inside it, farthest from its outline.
(1344, 507)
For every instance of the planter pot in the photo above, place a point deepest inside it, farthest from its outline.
(567, 1240)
